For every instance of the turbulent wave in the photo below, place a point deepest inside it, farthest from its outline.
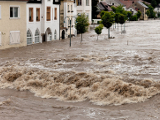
(73, 86)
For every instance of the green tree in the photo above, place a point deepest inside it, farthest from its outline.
(138, 14)
(153, 3)
(107, 21)
(121, 20)
(98, 30)
(150, 12)
(113, 9)
(82, 24)
(129, 14)
(134, 18)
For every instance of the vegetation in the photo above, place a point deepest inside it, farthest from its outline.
(99, 29)
(150, 12)
(82, 24)
(121, 20)
(129, 15)
(107, 20)
(134, 18)
(154, 3)
(138, 14)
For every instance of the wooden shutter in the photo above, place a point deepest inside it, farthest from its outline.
(14, 37)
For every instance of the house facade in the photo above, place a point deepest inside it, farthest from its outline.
(12, 23)
(42, 21)
(68, 11)
(85, 6)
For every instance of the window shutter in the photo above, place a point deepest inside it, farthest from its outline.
(14, 37)
(0, 38)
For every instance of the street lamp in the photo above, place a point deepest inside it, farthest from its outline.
(70, 21)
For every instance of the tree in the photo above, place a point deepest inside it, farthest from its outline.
(98, 30)
(134, 18)
(154, 3)
(107, 20)
(150, 12)
(121, 20)
(82, 24)
(138, 14)
(116, 17)
(129, 14)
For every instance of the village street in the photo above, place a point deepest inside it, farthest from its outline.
(136, 64)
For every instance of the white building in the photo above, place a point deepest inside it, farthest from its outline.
(68, 11)
(42, 21)
(85, 6)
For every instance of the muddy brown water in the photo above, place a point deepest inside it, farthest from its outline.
(116, 73)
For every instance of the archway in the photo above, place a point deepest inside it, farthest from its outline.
(37, 36)
(63, 34)
(29, 37)
(48, 35)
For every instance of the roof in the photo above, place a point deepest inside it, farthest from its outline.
(103, 6)
(142, 4)
(100, 7)
(116, 2)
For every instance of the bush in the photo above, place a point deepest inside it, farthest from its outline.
(134, 18)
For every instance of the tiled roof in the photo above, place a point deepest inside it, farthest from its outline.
(142, 4)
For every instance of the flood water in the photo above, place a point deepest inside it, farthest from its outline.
(103, 79)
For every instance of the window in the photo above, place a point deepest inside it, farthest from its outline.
(71, 8)
(14, 37)
(79, 2)
(0, 11)
(87, 2)
(48, 14)
(14, 12)
(88, 15)
(30, 14)
(0, 38)
(29, 38)
(37, 38)
(55, 13)
(55, 35)
(38, 14)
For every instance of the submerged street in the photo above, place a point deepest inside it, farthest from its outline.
(103, 79)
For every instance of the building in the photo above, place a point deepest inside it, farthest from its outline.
(136, 5)
(85, 6)
(113, 2)
(157, 10)
(68, 11)
(102, 6)
(43, 21)
(12, 23)
(143, 8)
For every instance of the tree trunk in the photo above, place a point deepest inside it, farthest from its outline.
(108, 33)
(97, 36)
